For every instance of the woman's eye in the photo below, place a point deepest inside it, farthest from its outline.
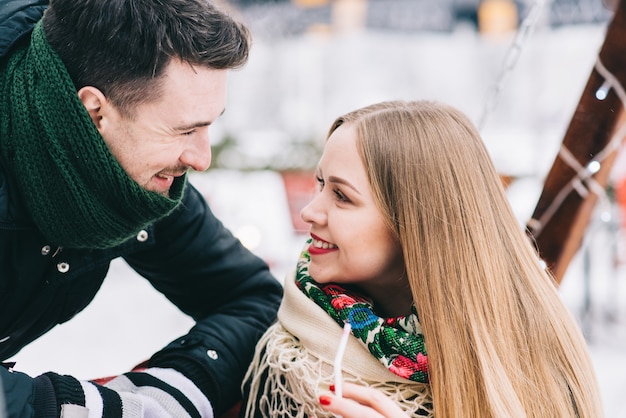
(340, 196)
(320, 182)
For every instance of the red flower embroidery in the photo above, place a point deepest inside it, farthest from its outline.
(341, 302)
(422, 362)
(333, 290)
(392, 322)
(403, 366)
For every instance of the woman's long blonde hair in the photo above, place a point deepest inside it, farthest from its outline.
(500, 341)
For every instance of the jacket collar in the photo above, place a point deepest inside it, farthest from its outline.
(17, 19)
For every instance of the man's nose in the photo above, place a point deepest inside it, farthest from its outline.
(198, 153)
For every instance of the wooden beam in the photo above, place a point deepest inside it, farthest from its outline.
(591, 128)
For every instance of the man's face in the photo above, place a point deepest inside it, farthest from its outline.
(170, 135)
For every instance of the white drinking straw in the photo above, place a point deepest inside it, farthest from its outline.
(342, 349)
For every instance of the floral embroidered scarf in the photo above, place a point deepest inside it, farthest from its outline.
(398, 343)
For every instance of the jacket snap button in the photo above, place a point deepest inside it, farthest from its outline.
(142, 236)
(45, 250)
(212, 354)
(63, 267)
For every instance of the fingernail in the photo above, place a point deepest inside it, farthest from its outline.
(332, 388)
(325, 400)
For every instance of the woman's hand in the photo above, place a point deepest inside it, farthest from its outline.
(361, 402)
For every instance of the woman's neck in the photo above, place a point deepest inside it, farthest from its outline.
(391, 301)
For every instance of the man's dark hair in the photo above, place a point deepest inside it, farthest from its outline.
(123, 46)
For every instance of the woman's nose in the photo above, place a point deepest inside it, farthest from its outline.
(313, 212)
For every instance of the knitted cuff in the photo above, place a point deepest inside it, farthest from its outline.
(44, 399)
(68, 390)
(153, 392)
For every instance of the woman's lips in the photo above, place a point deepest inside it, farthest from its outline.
(319, 246)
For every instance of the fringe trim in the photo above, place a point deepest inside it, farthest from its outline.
(286, 380)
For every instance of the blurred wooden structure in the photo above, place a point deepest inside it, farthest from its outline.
(580, 172)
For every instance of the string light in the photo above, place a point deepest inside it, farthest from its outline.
(603, 91)
(583, 181)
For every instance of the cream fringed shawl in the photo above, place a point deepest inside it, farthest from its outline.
(293, 365)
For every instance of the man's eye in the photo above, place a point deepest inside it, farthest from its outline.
(189, 132)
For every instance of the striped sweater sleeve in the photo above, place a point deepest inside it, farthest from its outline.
(153, 392)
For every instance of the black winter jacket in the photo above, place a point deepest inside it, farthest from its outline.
(189, 256)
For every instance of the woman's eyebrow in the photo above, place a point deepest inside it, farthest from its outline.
(339, 180)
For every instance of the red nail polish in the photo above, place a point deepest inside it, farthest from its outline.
(332, 388)
(325, 400)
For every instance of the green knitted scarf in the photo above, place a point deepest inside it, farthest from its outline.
(74, 189)
(398, 343)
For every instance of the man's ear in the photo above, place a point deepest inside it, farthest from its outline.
(95, 102)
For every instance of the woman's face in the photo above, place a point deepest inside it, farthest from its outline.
(351, 243)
